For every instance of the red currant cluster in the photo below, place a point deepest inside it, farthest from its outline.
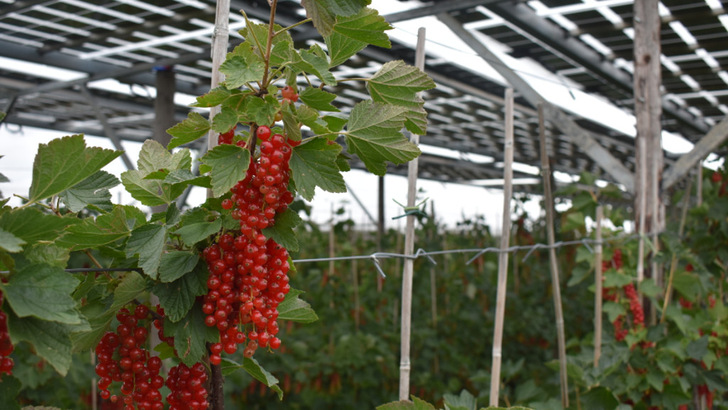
(610, 294)
(249, 272)
(6, 346)
(187, 386)
(635, 306)
(134, 367)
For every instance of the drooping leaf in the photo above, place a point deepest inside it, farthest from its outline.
(185, 177)
(282, 231)
(93, 190)
(196, 225)
(150, 192)
(63, 163)
(599, 398)
(32, 225)
(323, 12)
(259, 373)
(242, 66)
(174, 264)
(43, 291)
(178, 297)
(398, 83)
(92, 233)
(416, 120)
(147, 241)
(51, 340)
(262, 110)
(291, 123)
(342, 47)
(374, 136)
(10, 242)
(190, 129)
(316, 63)
(212, 98)
(314, 164)
(229, 164)
(225, 120)
(130, 287)
(318, 99)
(191, 334)
(294, 309)
(99, 319)
(366, 26)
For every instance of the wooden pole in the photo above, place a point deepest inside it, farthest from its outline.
(555, 281)
(409, 247)
(598, 288)
(500, 306)
(641, 209)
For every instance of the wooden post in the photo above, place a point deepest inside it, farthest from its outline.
(164, 104)
(598, 288)
(500, 306)
(554, 267)
(641, 209)
(409, 247)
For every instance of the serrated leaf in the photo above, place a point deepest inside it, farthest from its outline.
(341, 48)
(93, 190)
(696, 349)
(314, 164)
(229, 164)
(335, 124)
(263, 110)
(416, 120)
(242, 66)
(10, 386)
(318, 99)
(9, 242)
(32, 225)
(63, 163)
(43, 291)
(175, 264)
(465, 401)
(190, 129)
(612, 279)
(196, 226)
(147, 241)
(296, 310)
(86, 340)
(366, 25)
(150, 192)
(212, 98)
(282, 231)
(259, 373)
(185, 177)
(398, 83)
(130, 287)
(599, 398)
(323, 12)
(191, 335)
(178, 297)
(93, 233)
(291, 123)
(374, 136)
(225, 120)
(316, 63)
(51, 340)
(48, 254)
(260, 32)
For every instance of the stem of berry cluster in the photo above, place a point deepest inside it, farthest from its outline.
(217, 399)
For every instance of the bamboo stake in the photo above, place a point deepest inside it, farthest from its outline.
(409, 247)
(220, 38)
(641, 209)
(598, 291)
(500, 306)
(673, 261)
(555, 281)
(699, 187)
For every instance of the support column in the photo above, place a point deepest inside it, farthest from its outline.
(164, 104)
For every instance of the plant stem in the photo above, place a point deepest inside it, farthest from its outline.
(269, 44)
(283, 30)
(217, 399)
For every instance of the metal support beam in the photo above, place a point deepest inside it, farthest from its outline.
(717, 136)
(583, 138)
(108, 130)
(525, 19)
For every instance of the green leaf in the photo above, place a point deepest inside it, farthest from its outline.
(323, 12)
(150, 192)
(197, 224)
(416, 119)
(316, 63)
(178, 297)
(259, 373)
(225, 120)
(262, 110)
(367, 26)
(50, 340)
(10, 386)
(612, 279)
(649, 288)
(242, 66)
(63, 163)
(190, 129)
(341, 48)
(465, 401)
(32, 225)
(318, 99)
(599, 398)
(185, 177)
(698, 348)
(87, 340)
(10, 242)
(175, 264)
(294, 309)
(688, 284)
(229, 164)
(43, 291)
(147, 241)
(106, 228)
(614, 310)
(190, 335)
(374, 136)
(213, 97)
(314, 164)
(282, 231)
(130, 287)
(93, 191)
(48, 254)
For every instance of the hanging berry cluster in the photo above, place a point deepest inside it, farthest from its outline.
(612, 294)
(6, 346)
(187, 386)
(249, 272)
(122, 357)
